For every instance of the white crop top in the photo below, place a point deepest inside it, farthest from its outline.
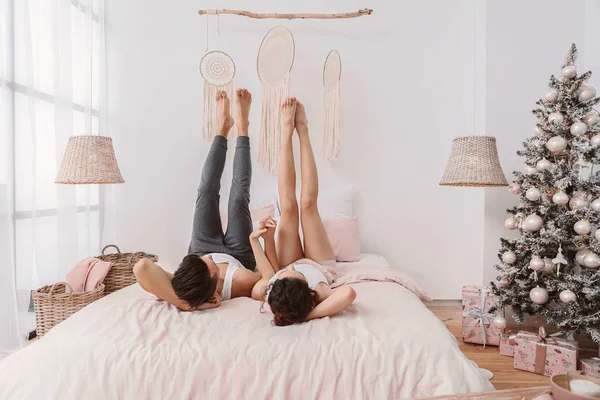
(312, 275)
(234, 265)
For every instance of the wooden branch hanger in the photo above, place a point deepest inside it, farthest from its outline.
(359, 13)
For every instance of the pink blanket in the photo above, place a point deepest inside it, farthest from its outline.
(127, 345)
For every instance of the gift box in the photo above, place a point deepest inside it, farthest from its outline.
(591, 366)
(543, 354)
(507, 344)
(476, 318)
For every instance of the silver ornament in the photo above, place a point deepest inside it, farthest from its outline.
(514, 188)
(504, 283)
(595, 140)
(580, 255)
(555, 118)
(499, 322)
(536, 263)
(548, 266)
(529, 170)
(539, 295)
(560, 198)
(579, 202)
(567, 296)
(582, 227)
(586, 93)
(591, 119)
(569, 72)
(591, 260)
(509, 257)
(533, 194)
(511, 223)
(597, 234)
(552, 95)
(533, 223)
(543, 165)
(596, 205)
(578, 128)
(556, 144)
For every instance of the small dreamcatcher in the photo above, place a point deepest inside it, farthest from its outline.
(274, 63)
(217, 70)
(332, 71)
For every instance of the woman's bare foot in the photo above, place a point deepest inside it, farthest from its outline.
(301, 120)
(243, 99)
(223, 108)
(288, 115)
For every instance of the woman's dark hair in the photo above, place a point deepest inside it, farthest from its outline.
(192, 281)
(291, 300)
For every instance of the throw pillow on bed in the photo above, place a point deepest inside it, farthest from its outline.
(344, 236)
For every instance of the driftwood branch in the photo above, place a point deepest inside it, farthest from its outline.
(359, 13)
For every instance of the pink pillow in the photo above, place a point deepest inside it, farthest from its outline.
(344, 237)
(256, 213)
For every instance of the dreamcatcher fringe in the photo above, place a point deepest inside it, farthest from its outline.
(210, 115)
(270, 124)
(331, 136)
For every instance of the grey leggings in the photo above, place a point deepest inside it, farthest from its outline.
(207, 233)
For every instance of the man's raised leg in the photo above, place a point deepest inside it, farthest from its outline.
(207, 231)
(239, 225)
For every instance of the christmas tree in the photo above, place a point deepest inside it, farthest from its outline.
(551, 269)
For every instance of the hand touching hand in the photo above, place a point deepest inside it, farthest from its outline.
(265, 228)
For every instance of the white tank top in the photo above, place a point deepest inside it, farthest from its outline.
(233, 265)
(312, 275)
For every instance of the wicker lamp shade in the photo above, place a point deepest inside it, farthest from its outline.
(88, 160)
(474, 162)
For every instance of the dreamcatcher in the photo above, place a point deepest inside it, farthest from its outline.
(332, 71)
(218, 70)
(274, 63)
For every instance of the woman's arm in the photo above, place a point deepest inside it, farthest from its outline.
(262, 262)
(334, 301)
(153, 279)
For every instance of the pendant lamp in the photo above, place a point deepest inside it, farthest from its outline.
(474, 162)
(89, 160)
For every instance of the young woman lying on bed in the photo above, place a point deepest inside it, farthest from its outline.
(299, 292)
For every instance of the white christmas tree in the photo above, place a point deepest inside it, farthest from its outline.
(551, 269)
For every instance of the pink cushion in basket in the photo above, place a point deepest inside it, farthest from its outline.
(256, 213)
(344, 237)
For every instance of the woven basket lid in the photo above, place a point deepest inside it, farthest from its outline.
(474, 162)
(89, 159)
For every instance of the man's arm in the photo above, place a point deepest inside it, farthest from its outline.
(153, 279)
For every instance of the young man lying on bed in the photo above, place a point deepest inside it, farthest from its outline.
(218, 266)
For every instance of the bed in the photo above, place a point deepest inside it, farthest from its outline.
(128, 345)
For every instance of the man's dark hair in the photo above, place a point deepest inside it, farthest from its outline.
(192, 281)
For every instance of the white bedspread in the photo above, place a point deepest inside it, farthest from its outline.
(130, 346)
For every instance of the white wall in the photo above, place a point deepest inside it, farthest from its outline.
(407, 90)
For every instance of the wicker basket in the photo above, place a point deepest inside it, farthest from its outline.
(121, 272)
(52, 305)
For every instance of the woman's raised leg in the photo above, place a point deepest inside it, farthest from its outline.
(289, 248)
(316, 242)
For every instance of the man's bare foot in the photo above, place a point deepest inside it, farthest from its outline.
(301, 120)
(288, 115)
(223, 108)
(243, 99)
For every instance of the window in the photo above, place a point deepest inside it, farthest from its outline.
(51, 89)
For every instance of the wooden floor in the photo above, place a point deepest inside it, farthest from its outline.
(505, 376)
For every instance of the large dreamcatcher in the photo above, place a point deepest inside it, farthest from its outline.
(332, 71)
(274, 63)
(217, 70)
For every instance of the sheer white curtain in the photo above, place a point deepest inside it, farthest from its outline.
(51, 87)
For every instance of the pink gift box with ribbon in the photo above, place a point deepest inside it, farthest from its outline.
(591, 366)
(507, 344)
(545, 354)
(476, 318)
